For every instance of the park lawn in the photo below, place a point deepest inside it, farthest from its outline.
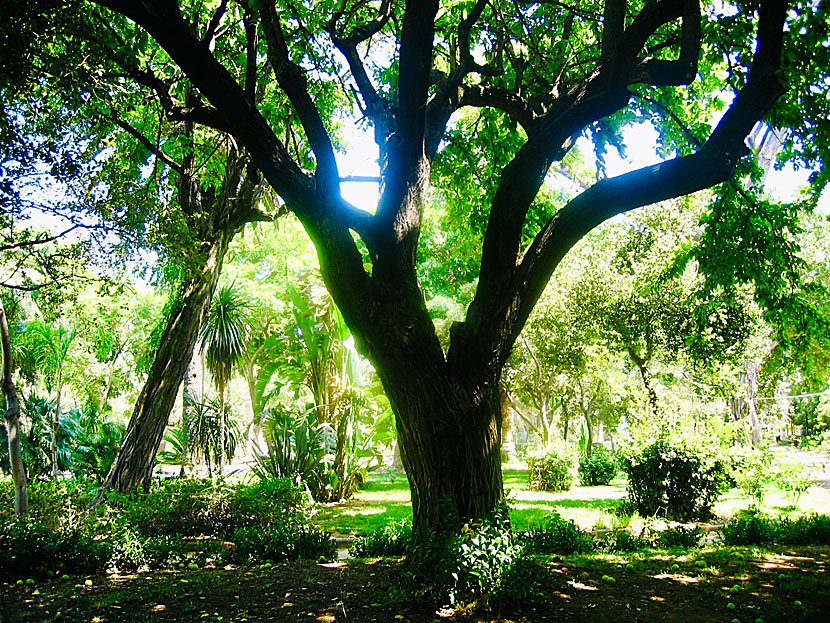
(385, 501)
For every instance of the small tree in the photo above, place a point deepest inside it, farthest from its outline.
(12, 415)
(223, 339)
(51, 348)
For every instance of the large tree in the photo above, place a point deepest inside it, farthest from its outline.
(552, 70)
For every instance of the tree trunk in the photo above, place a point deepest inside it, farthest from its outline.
(751, 380)
(134, 463)
(645, 373)
(589, 442)
(220, 463)
(21, 490)
(450, 440)
(56, 422)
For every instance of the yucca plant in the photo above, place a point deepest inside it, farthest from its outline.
(223, 338)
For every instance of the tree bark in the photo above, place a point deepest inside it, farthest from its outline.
(450, 440)
(56, 423)
(133, 465)
(21, 489)
(645, 374)
(750, 378)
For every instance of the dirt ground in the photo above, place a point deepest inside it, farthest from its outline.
(789, 585)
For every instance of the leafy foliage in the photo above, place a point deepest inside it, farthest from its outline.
(481, 559)
(558, 536)
(279, 543)
(551, 470)
(389, 541)
(675, 478)
(756, 529)
(599, 467)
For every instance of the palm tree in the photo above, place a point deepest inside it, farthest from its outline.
(51, 350)
(223, 338)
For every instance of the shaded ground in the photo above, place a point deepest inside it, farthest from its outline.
(790, 585)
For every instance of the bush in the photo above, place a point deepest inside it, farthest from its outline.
(166, 550)
(210, 508)
(676, 479)
(551, 471)
(623, 541)
(813, 529)
(280, 543)
(680, 537)
(794, 479)
(757, 529)
(390, 541)
(748, 529)
(754, 474)
(472, 561)
(598, 468)
(27, 547)
(558, 536)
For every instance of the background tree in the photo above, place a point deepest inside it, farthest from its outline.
(50, 346)
(12, 418)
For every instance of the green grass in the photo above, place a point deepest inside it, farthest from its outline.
(384, 501)
(381, 502)
(815, 500)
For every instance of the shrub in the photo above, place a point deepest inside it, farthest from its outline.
(598, 468)
(680, 537)
(558, 536)
(390, 541)
(166, 550)
(470, 561)
(33, 546)
(550, 471)
(677, 479)
(623, 541)
(127, 549)
(748, 529)
(754, 474)
(813, 529)
(794, 479)
(280, 543)
(757, 529)
(210, 508)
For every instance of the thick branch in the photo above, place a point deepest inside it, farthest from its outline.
(163, 21)
(405, 175)
(613, 23)
(503, 301)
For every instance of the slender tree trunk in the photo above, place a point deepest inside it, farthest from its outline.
(21, 489)
(134, 463)
(645, 373)
(220, 465)
(56, 420)
(589, 444)
(751, 380)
